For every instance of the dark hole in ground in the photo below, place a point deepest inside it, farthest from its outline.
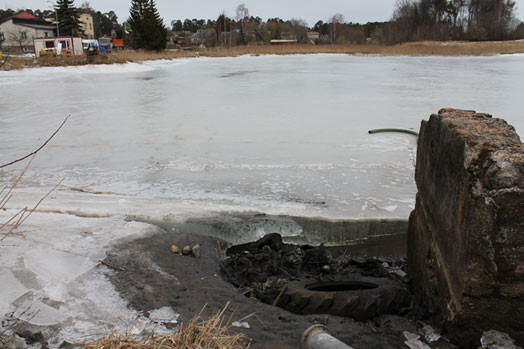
(340, 286)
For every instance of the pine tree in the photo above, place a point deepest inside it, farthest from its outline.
(68, 18)
(148, 30)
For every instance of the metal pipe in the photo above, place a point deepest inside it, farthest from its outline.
(318, 337)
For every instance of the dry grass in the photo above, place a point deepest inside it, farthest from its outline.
(199, 333)
(424, 48)
(14, 222)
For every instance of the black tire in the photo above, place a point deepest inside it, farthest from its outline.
(377, 296)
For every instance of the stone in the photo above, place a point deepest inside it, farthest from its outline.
(175, 249)
(466, 234)
(196, 251)
(497, 340)
(186, 250)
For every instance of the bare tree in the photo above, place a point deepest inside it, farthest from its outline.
(86, 5)
(334, 21)
(300, 29)
(20, 36)
(242, 14)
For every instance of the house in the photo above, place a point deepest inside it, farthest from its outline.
(17, 32)
(313, 37)
(205, 37)
(86, 23)
(58, 46)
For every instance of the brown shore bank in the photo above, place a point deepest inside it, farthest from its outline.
(423, 48)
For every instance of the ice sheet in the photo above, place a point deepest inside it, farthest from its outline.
(291, 133)
(11, 289)
(56, 266)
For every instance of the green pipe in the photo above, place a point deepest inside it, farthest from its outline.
(393, 130)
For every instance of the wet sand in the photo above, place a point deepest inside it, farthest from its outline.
(150, 276)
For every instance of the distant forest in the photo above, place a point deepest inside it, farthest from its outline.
(476, 20)
(412, 20)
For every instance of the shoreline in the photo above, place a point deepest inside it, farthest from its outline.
(411, 49)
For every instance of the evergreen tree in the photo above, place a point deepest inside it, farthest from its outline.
(68, 18)
(148, 30)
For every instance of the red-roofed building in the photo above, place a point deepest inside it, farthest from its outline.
(17, 32)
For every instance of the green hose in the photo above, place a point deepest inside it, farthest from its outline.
(393, 130)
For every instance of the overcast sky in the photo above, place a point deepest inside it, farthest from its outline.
(361, 11)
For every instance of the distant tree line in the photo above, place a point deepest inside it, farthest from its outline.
(476, 20)
(412, 20)
(246, 29)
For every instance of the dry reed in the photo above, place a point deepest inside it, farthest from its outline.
(424, 48)
(199, 333)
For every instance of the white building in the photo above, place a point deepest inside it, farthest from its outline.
(60, 46)
(17, 32)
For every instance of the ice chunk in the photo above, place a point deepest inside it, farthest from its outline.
(391, 208)
(56, 266)
(11, 290)
(497, 340)
(164, 315)
(430, 335)
(38, 313)
(416, 344)
(410, 336)
(243, 324)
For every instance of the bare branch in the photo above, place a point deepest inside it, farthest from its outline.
(22, 213)
(40, 148)
(8, 195)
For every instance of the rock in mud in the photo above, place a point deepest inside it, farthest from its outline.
(186, 250)
(175, 249)
(196, 251)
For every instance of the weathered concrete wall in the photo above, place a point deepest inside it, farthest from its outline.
(466, 234)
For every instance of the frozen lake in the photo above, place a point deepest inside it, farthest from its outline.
(282, 134)
(168, 141)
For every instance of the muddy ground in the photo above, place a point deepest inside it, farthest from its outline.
(149, 276)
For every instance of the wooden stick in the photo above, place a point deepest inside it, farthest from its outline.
(291, 277)
(110, 266)
(247, 317)
(222, 257)
(280, 296)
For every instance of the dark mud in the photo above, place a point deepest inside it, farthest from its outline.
(305, 279)
(150, 276)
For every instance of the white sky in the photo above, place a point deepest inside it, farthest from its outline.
(361, 11)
